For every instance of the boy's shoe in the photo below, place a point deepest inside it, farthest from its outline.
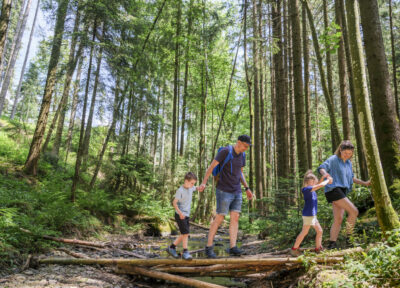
(186, 255)
(332, 245)
(234, 251)
(295, 252)
(172, 252)
(210, 252)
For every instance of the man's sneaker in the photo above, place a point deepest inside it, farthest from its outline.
(186, 255)
(210, 252)
(172, 252)
(295, 252)
(235, 251)
(349, 243)
(332, 245)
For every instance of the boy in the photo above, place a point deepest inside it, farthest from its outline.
(181, 203)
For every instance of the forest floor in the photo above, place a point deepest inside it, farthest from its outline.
(119, 246)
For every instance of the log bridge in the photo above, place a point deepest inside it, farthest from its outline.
(174, 269)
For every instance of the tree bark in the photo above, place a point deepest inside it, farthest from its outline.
(384, 109)
(18, 92)
(34, 152)
(360, 151)
(4, 20)
(74, 105)
(298, 88)
(328, 97)
(306, 61)
(387, 216)
(342, 77)
(13, 57)
(394, 68)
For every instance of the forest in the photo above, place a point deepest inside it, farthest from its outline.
(105, 106)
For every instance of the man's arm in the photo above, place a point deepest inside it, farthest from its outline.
(208, 173)
(249, 194)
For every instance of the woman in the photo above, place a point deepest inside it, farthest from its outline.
(340, 173)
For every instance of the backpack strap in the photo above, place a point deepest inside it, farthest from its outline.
(228, 158)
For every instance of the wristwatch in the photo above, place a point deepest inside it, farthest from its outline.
(246, 188)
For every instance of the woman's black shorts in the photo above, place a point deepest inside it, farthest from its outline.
(336, 194)
(183, 224)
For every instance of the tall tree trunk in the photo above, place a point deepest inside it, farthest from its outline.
(176, 84)
(306, 61)
(329, 66)
(384, 109)
(185, 85)
(298, 88)
(79, 154)
(282, 145)
(262, 103)
(72, 62)
(74, 105)
(117, 105)
(387, 216)
(4, 20)
(13, 57)
(88, 130)
(34, 151)
(256, 83)
(394, 68)
(357, 131)
(342, 77)
(328, 97)
(319, 150)
(18, 92)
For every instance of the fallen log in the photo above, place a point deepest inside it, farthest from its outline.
(165, 276)
(243, 245)
(73, 254)
(63, 240)
(194, 262)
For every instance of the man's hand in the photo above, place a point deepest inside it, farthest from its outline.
(202, 187)
(250, 195)
(181, 216)
(368, 183)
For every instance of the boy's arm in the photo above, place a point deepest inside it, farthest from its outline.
(320, 185)
(175, 204)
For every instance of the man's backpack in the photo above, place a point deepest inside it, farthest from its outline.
(217, 169)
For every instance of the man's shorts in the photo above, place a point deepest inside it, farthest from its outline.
(310, 220)
(227, 202)
(336, 194)
(183, 224)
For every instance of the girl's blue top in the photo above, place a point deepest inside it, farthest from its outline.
(310, 201)
(341, 172)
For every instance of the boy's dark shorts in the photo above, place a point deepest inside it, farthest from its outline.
(336, 194)
(183, 224)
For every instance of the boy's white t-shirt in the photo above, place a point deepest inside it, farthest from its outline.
(184, 197)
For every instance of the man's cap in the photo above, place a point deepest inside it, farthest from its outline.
(245, 138)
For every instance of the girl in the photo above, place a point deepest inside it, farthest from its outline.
(310, 185)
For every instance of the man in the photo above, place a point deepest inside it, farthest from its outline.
(228, 192)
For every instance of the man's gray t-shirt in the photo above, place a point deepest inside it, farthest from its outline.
(229, 181)
(184, 197)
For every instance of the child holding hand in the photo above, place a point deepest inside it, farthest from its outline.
(182, 203)
(310, 185)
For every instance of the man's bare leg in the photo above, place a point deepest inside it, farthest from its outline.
(214, 228)
(233, 228)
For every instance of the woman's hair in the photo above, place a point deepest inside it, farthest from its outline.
(345, 145)
(309, 176)
(190, 176)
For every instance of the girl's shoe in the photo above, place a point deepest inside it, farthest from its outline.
(295, 252)
(319, 250)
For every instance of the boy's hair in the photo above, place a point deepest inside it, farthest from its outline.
(345, 145)
(190, 176)
(309, 176)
